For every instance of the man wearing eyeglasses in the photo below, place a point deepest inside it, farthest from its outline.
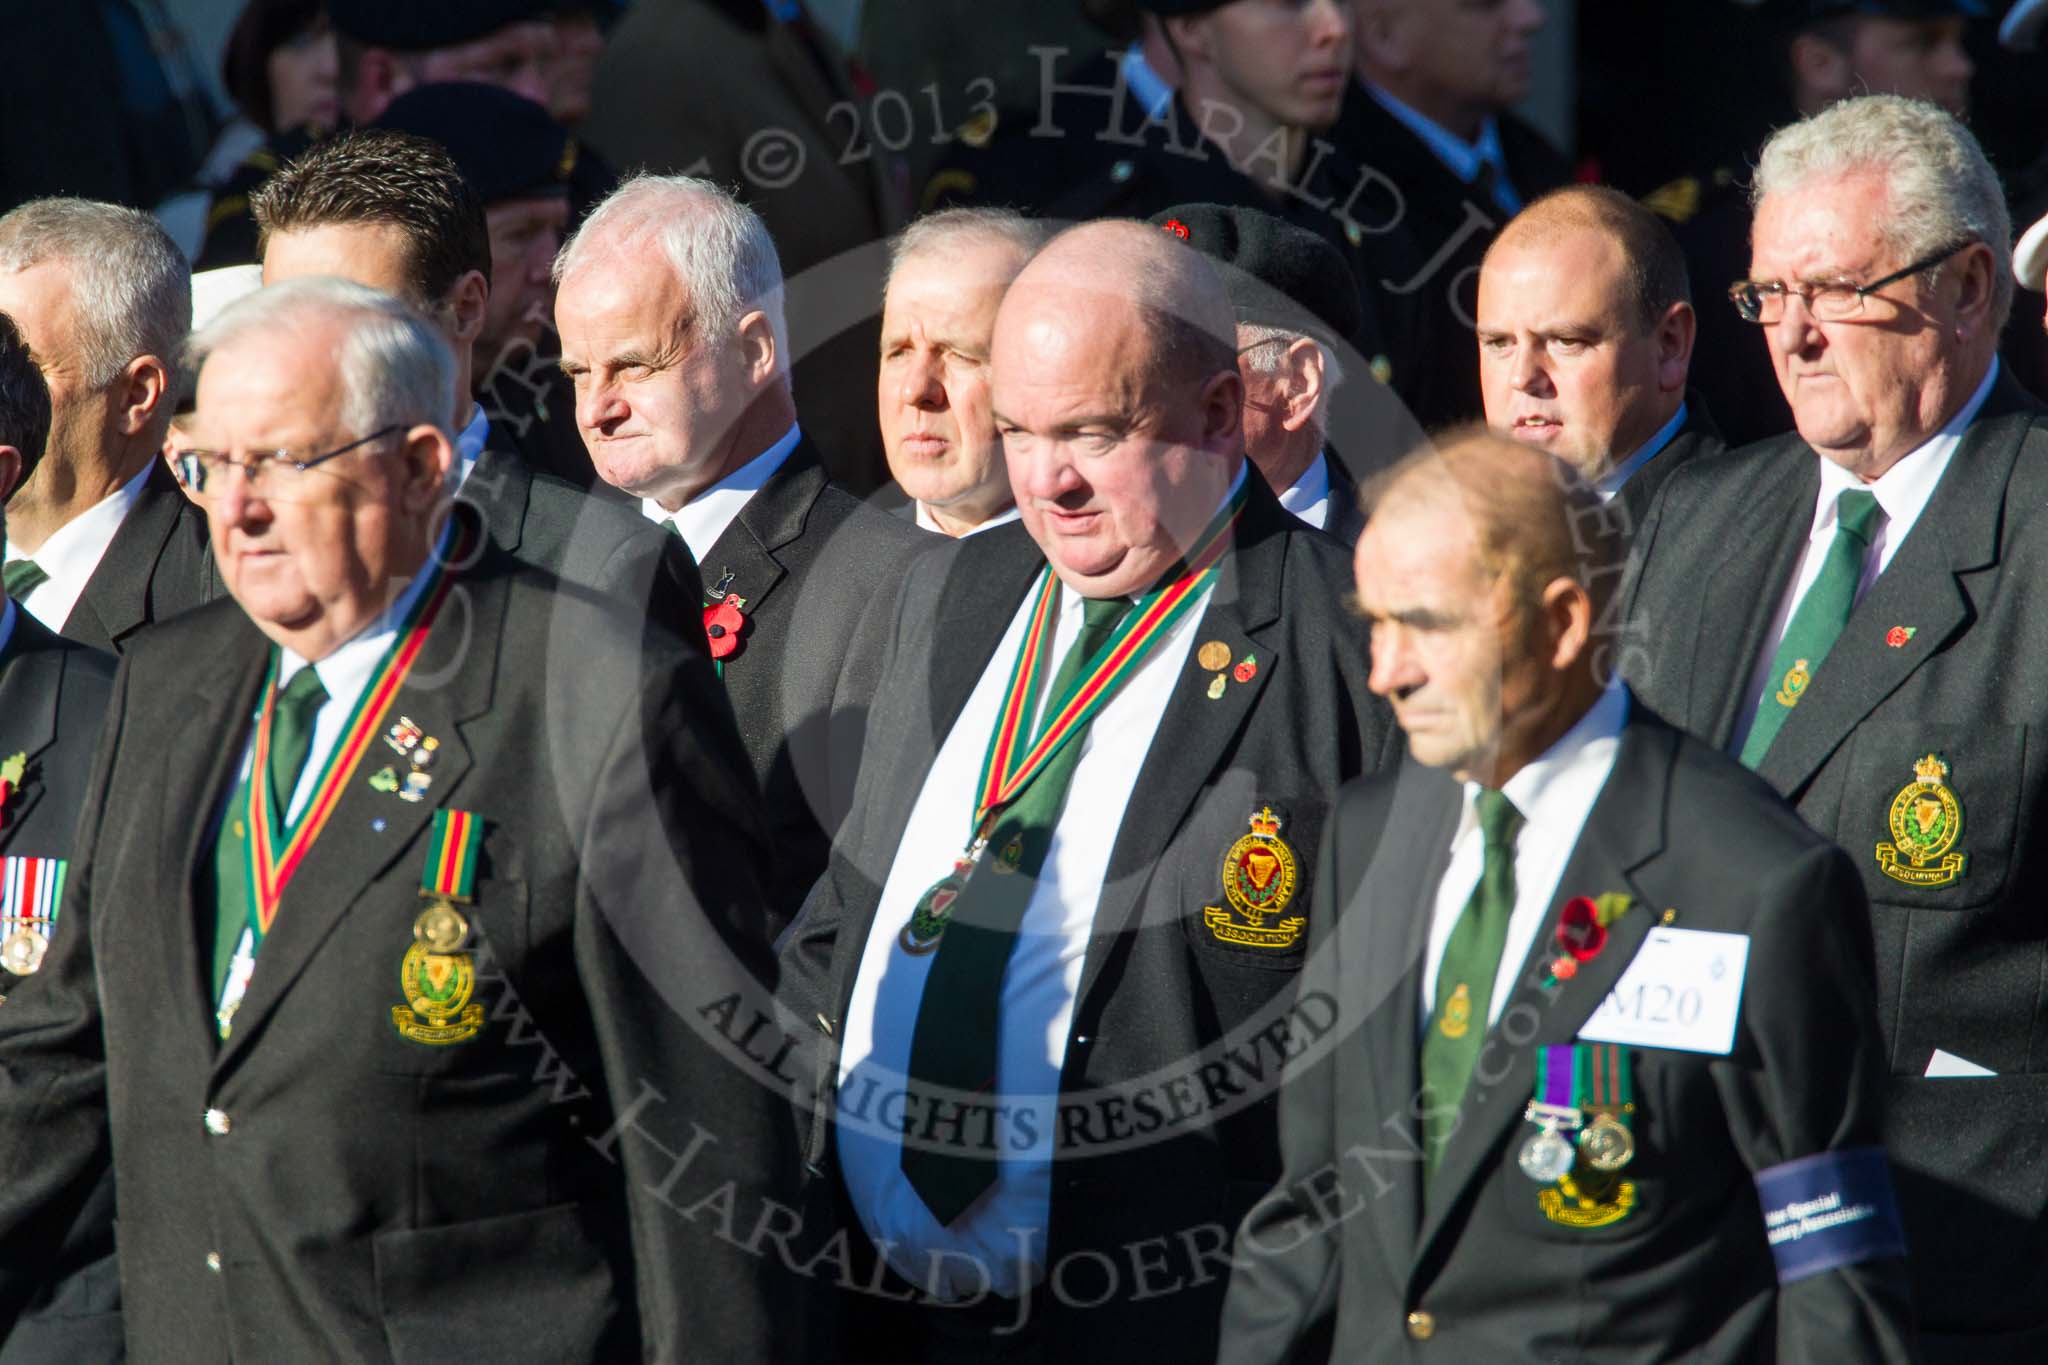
(1852, 611)
(362, 974)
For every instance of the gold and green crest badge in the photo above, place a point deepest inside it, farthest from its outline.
(1926, 820)
(1260, 875)
(438, 974)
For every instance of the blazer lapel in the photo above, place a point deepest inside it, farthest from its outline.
(990, 576)
(1624, 830)
(1925, 588)
(369, 829)
(1197, 727)
(743, 558)
(28, 710)
(117, 593)
(1738, 594)
(499, 487)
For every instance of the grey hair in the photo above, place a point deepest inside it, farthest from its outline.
(131, 288)
(950, 229)
(717, 246)
(395, 368)
(1268, 360)
(1939, 187)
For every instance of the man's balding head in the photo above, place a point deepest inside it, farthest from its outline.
(1585, 327)
(1485, 569)
(1117, 397)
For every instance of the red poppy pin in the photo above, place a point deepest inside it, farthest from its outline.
(1247, 669)
(1582, 931)
(1176, 227)
(1897, 636)
(722, 626)
(10, 781)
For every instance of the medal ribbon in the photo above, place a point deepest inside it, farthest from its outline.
(1610, 1088)
(1011, 763)
(1555, 1078)
(34, 888)
(270, 868)
(451, 856)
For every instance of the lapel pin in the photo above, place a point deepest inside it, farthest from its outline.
(403, 736)
(10, 780)
(1214, 656)
(1216, 687)
(416, 784)
(385, 779)
(1897, 636)
(428, 750)
(1247, 668)
(377, 825)
(1670, 916)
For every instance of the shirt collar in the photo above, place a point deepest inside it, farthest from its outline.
(1460, 157)
(925, 521)
(1610, 483)
(74, 549)
(1547, 775)
(470, 442)
(1153, 90)
(703, 519)
(1903, 490)
(1311, 490)
(348, 667)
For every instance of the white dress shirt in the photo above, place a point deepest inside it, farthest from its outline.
(1610, 483)
(1902, 493)
(1309, 496)
(1003, 1232)
(469, 444)
(703, 519)
(1555, 794)
(74, 550)
(925, 521)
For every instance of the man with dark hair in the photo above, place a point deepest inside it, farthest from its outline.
(1499, 1156)
(526, 168)
(53, 698)
(392, 211)
(1023, 982)
(100, 541)
(1585, 336)
(1430, 116)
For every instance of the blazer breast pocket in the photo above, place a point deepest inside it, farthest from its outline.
(443, 1013)
(1931, 811)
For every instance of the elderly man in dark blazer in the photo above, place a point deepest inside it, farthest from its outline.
(385, 928)
(1049, 958)
(1854, 611)
(1512, 1146)
(671, 315)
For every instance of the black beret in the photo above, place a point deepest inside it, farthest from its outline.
(417, 25)
(506, 146)
(1279, 271)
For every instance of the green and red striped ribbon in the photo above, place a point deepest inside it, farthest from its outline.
(1011, 762)
(451, 856)
(270, 868)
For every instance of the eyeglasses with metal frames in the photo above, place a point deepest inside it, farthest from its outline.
(272, 474)
(1763, 301)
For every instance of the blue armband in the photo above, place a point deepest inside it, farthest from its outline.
(1829, 1210)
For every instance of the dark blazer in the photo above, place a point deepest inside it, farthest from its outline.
(1959, 966)
(53, 698)
(1424, 264)
(1160, 992)
(1696, 436)
(358, 1195)
(159, 563)
(597, 541)
(1346, 516)
(1688, 1273)
(810, 559)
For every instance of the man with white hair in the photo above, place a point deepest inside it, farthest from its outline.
(669, 305)
(947, 274)
(1852, 610)
(99, 541)
(415, 823)
(1037, 936)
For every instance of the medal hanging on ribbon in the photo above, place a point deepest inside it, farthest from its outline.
(34, 888)
(1548, 1154)
(1012, 761)
(276, 852)
(1585, 1090)
(449, 879)
(1607, 1142)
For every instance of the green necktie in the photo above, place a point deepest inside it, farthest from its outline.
(291, 740)
(954, 1044)
(21, 577)
(1464, 978)
(1820, 616)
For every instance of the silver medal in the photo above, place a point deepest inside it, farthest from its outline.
(1546, 1156)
